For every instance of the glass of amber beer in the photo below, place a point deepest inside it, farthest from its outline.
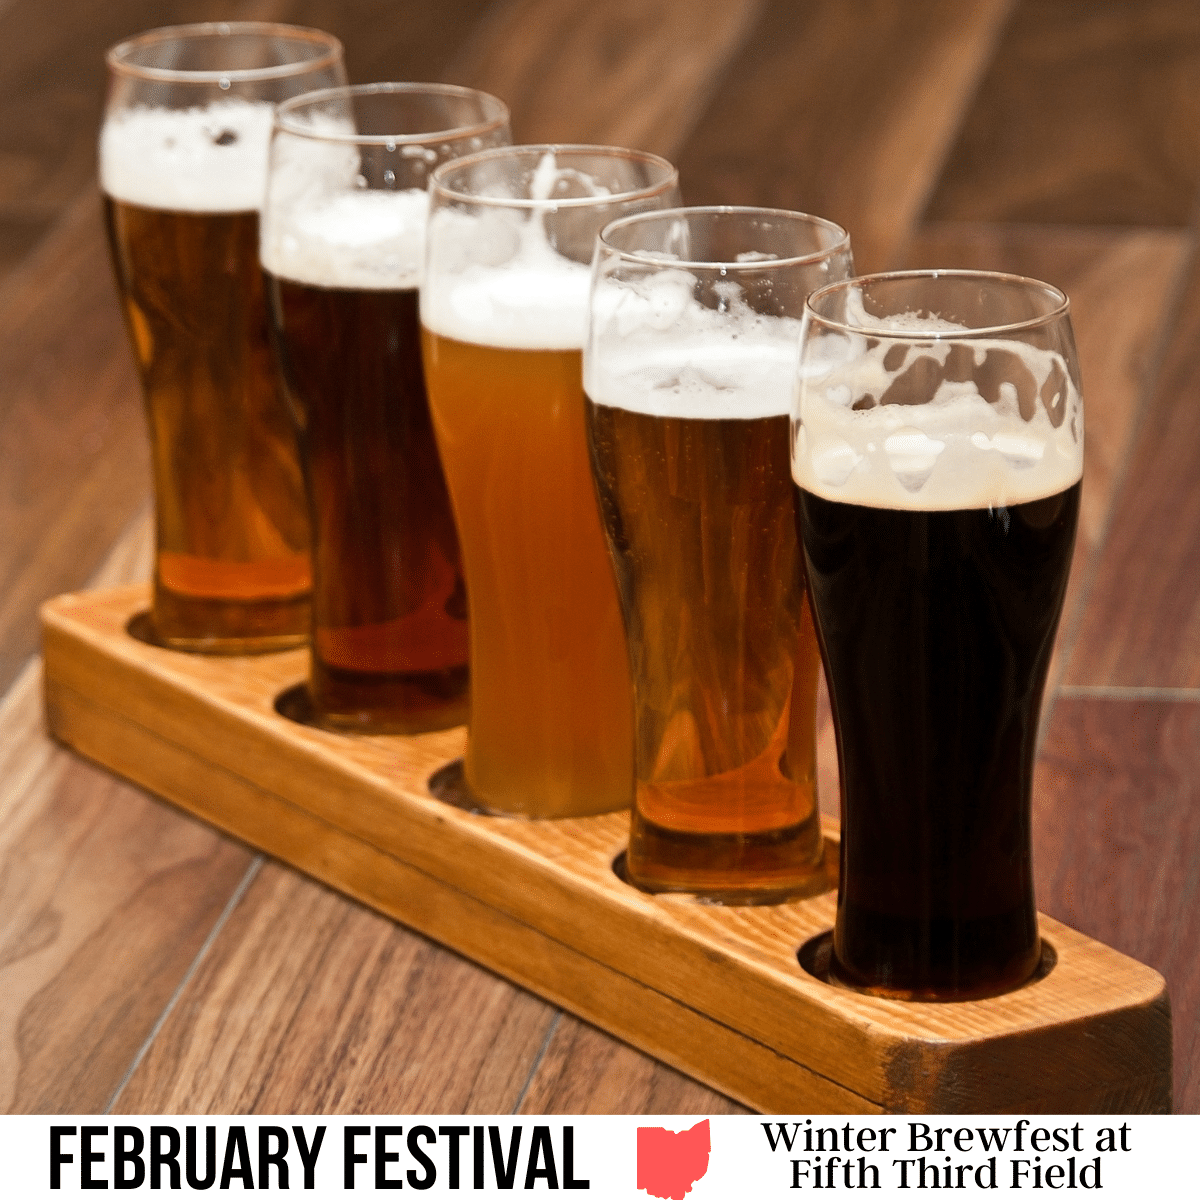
(504, 315)
(938, 454)
(183, 163)
(689, 371)
(343, 248)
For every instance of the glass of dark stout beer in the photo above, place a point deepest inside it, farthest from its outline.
(183, 163)
(343, 247)
(689, 371)
(937, 450)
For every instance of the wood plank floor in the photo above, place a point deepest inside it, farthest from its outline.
(149, 964)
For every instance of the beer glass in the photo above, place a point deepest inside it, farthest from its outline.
(343, 247)
(937, 452)
(689, 371)
(504, 315)
(183, 162)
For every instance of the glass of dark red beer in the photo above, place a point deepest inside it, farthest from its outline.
(937, 451)
(343, 249)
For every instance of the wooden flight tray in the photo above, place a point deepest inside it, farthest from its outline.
(719, 993)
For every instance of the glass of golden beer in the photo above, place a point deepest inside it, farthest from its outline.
(689, 372)
(504, 315)
(183, 164)
(937, 453)
(343, 249)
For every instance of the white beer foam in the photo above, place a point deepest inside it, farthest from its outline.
(174, 158)
(741, 371)
(497, 280)
(655, 349)
(534, 300)
(956, 451)
(374, 240)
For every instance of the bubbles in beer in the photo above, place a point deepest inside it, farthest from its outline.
(937, 425)
(206, 159)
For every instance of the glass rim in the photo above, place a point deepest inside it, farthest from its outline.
(284, 110)
(439, 188)
(118, 62)
(1062, 305)
(793, 216)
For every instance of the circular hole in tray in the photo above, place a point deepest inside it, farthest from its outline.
(822, 881)
(449, 784)
(141, 627)
(296, 704)
(618, 868)
(816, 957)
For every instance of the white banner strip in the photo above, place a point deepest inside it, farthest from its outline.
(664, 1158)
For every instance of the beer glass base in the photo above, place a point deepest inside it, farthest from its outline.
(952, 982)
(231, 647)
(142, 628)
(730, 868)
(199, 625)
(526, 780)
(389, 702)
(450, 785)
(817, 958)
(296, 704)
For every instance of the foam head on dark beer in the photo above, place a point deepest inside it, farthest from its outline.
(951, 421)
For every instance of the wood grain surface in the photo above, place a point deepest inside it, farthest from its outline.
(295, 958)
(626, 73)
(98, 879)
(1142, 626)
(540, 902)
(74, 473)
(585, 1071)
(1124, 287)
(1123, 866)
(1084, 118)
(992, 133)
(844, 110)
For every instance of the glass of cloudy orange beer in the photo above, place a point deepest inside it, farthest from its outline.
(689, 371)
(504, 316)
(343, 249)
(937, 453)
(183, 164)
